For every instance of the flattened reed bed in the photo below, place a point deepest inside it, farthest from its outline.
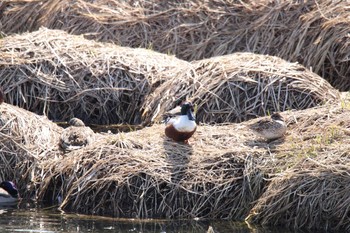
(225, 172)
(312, 195)
(25, 139)
(309, 187)
(142, 174)
(240, 86)
(315, 33)
(62, 76)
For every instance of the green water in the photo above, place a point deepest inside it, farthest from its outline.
(51, 220)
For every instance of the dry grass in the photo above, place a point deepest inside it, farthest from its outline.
(63, 76)
(26, 138)
(311, 189)
(143, 174)
(226, 172)
(315, 33)
(312, 195)
(240, 86)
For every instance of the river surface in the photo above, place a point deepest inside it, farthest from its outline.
(49, 220)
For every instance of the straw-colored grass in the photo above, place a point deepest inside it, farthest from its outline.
(143, 174)
(315, 33)
(311, 190)
(26, 138)
(225, 172)
(240, 86)
(314, 195)
(63, 76)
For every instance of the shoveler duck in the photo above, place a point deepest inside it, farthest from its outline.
(270, 128)
(76, 136)
(182, 127)
(8, 193)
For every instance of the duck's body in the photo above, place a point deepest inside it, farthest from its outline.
(8, 193)
(182, 127)
(76, 122)
(270, 128)
(76, 135)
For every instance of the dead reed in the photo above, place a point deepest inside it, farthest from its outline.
(143, 174)
(240, 86)
(309, 188)
(26, 138)
(63, 76)
(313, 195)
(314, 33)
(225, 172)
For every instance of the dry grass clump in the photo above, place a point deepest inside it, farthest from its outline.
(225, 172)
(25, 139)
(309, 173)
(315, 33)
(313, 195)
(240, 86)
(63, 76)
(143, 174)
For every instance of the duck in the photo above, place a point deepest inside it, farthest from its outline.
(76, 136)
(181, 127)
(76, 122)
(269, 128)
(8, 193)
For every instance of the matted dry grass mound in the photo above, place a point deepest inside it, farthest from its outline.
(313, 195)
(63, 76)
(225, 171)
(315, 33)
(25, 139)
(240, 86)
(143, 174)
(310, 183)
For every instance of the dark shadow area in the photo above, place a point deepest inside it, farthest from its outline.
(178, 156)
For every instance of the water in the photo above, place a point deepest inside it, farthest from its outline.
(50, 220)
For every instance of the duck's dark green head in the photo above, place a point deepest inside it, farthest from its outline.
(9, 187)
(187, 109)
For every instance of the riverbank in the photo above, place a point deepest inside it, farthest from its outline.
(111, 63)
(224, 173)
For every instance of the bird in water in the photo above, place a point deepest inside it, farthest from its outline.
(76, 136)
(8, 193)
(269, 128)
(180, 128)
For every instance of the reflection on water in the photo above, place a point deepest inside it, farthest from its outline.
(50, 220)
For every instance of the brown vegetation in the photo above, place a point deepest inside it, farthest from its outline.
(314, 33)
(299, 181)
(240, 86)
(225, 171)
(25, 139)
(63, 76)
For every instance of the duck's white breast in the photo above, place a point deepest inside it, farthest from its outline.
(183, 124)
